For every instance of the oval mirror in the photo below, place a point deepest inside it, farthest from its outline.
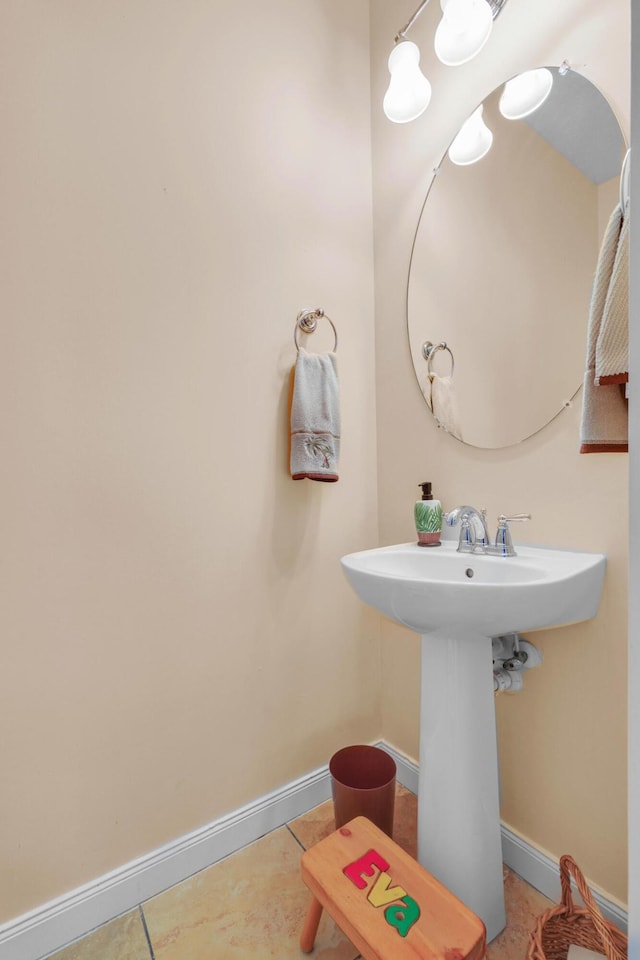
(503, 262)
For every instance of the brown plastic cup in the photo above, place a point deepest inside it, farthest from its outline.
(363, 784)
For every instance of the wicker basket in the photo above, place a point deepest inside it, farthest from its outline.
(565, 924)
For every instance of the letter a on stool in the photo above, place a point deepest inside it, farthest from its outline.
(388, 906)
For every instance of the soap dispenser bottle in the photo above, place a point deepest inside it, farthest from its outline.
(428, 517)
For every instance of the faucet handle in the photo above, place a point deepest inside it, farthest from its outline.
(503, 534)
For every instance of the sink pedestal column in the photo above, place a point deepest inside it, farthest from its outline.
(459, 838)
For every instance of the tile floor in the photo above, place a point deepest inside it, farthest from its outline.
(251, 905)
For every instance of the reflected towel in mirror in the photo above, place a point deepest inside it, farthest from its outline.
(444, 406)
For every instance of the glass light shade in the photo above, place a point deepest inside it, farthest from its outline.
(525, 93)
(473, 141)
(409, 90)
(463, 30)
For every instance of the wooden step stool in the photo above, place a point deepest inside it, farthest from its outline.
(388, 906)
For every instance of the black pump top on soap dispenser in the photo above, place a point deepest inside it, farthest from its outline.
(426, 490)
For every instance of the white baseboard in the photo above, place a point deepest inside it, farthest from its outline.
(541, 871)
(535, 867)
(406, 769)
(46, 929)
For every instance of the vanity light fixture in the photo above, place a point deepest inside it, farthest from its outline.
(525, 93)
(461, 34)
(472, 142)
(463, 30)
(409, 90)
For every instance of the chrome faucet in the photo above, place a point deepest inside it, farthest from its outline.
(474, 534)
(473, 526)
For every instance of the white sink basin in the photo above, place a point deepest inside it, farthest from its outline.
(429, 588)
(458, 602)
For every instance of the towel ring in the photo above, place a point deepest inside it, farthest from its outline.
(307, 321)
(430, 349)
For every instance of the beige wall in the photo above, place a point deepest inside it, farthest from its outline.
(563, 740)
(178, 180)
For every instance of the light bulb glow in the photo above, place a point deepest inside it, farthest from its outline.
(463, 30)
(525, 93)
(409, 90)
(473, 141)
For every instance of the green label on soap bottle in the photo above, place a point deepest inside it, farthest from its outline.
(428, 514)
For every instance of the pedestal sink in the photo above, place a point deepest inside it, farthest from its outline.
(458, 602)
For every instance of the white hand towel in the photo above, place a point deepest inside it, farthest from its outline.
(604, 423)
(444, 406)
(315, 418)
(612, 346)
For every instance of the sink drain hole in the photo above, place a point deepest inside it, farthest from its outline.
(468, 572)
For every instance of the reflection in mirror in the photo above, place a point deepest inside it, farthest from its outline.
(503, 261)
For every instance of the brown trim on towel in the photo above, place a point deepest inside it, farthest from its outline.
(604, 448)
(612, 378)
(314, 476)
